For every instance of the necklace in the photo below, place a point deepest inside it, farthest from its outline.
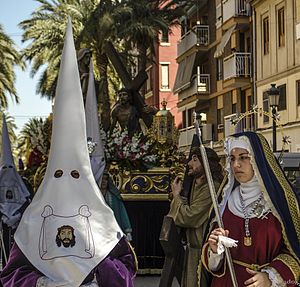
(247, 237)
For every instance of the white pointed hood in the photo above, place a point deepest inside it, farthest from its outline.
(68, 229)
(13, 191)
(92, 128)
(6, 154)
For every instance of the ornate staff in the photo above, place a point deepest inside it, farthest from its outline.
(214, 198)
(2, 246)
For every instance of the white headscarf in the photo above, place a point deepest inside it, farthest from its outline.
(68, 197)
(13, 191)
(250, 191)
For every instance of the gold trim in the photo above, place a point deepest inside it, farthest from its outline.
(146, 197)
(290, 262)
(153, 170)
(154, 271)
(206, 267)
(135, 257)
(254, 267)
(289, 194)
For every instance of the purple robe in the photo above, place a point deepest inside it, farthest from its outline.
(118, 269)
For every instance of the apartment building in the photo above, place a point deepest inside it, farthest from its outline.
(276, 33)
(161, 74)
(214, 76)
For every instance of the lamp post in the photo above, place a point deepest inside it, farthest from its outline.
(274, 94)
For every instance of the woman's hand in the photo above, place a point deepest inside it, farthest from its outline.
(258, 279)
(176, 186)
(213, 238)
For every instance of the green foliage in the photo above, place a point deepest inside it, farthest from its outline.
(10, 57)
(95, 22)
(36, 134)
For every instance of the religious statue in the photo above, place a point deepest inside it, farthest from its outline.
(125, 113)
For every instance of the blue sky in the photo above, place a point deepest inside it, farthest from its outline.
(31, 105)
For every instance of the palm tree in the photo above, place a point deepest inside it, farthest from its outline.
(92, 25)
(9, 57)
(45, 33)
(35, 134)
(98, 30)
(144, 21)
(34, 144)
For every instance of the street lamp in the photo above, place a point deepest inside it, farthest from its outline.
(274, 94)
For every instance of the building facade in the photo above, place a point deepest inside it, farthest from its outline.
(229, 54)
(161, 74)
(277, 38)
(214, 76)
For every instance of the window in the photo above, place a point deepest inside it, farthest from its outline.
(220, 118)
(149, 80)
(282, 98)
(265, 106)
(266, 35)
(298, 92)
(164, 76)
(184, 119)
(219, 69)
(190, 117)
(234, 108)
(165, 36)
(281, 33)
(218, 15)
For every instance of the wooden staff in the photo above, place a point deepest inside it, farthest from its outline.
(214, 198)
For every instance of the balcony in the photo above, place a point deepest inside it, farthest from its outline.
(200, 84)
(203, 83)
(237, 70)
(195, 38)
(186, 135)
(235, 12)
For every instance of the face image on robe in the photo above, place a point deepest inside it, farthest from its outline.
(68, 229)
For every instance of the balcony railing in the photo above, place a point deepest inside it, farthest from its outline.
(197, 36)
(186, 136)
(235, 8)
(237, 65)
(203, 83)
(200, 84)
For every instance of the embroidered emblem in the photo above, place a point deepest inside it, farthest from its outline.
(9, 194)
(65, 236)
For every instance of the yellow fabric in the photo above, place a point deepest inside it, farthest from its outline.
(254, 267)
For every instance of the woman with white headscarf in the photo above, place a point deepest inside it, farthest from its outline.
(260, 211)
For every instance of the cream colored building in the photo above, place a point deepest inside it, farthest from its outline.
(276, 32)
(214, 73)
